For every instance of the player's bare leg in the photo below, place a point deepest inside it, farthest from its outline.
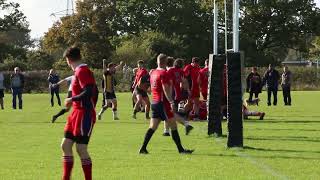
(166, 129)
(103, 109)
(115, 109)
(82, 150)
(66, 147)
(147, 107)
(196, 106)
(176, 137)
(154, 123)
(137, 108)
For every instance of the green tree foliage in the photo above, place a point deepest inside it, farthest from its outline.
(14, 32)
(146, 46)
(270, 27)
(89, 29)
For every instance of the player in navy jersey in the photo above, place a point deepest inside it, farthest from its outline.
(80, 123)
(162, 106)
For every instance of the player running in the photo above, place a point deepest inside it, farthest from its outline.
(68, 80)
(109, 90)
(80, 122)
(203, 80)
(191, 72)
(162, 106)
(175, 72)
(141, 85)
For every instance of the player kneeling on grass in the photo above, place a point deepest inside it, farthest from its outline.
(109, 90)
(247, 113)
(67, 108)
(80, 122)
(162, 106)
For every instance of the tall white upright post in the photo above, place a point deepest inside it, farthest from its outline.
(215, 28)
(236, 11)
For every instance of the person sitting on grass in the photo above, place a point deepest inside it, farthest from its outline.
(246, 113)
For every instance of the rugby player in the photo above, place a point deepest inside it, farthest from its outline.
(80, 122)
(162, 106)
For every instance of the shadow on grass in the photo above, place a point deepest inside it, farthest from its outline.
(281, 121)
(282, 129)
(279, 150)
(283, 138)
(258, 157)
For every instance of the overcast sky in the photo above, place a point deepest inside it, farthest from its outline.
(38, 13)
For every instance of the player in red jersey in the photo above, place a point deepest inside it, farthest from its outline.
(176, 75)
(162, 105)
(80, 122)
(141, 85)
(203, 80)
(191, 72)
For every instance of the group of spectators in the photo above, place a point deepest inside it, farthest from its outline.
(271, 80)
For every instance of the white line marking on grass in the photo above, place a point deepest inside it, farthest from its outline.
(267, 169)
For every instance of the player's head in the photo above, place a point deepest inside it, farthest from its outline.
(73, 55)
(285, 68)
(270, 67)
(206, 62)
(51, 71)
(140, 64)
(16, 70)
(112, 67)
(195, 60)
(170, 61)
(178, 63)
(162, 60)
(254, 69)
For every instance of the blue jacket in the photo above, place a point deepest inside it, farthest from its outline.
(271, 79)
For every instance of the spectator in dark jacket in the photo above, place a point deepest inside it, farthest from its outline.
(271, 80)
(286, 86)
(17, 84)
(54, 89)
(254, 84)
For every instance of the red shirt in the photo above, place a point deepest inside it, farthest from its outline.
(82, 78)
(203, 77)
(140, 73)
(191, 72)
(158, 77)
(176, 74)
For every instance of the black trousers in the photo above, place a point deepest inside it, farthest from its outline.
(256, 95)
(286, 95)
(274, 92)
(55, 92)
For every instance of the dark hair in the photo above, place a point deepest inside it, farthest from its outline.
(195, 60)
(170, 61)
(140, 62)
(72, 53)
(178, 63)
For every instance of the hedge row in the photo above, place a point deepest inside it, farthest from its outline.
(36, 81)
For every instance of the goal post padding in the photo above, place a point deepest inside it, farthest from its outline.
(234, 100)
(216, 68)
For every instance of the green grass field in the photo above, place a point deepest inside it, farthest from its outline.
(286, 145)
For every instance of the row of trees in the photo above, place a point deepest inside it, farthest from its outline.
(129, 30)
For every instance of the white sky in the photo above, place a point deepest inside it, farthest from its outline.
(38, 13)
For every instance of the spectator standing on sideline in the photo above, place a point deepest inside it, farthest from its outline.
(286, 86)
(54, 89)
(1, 90)
(254, 82)
(271, 80)
(17, 84)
